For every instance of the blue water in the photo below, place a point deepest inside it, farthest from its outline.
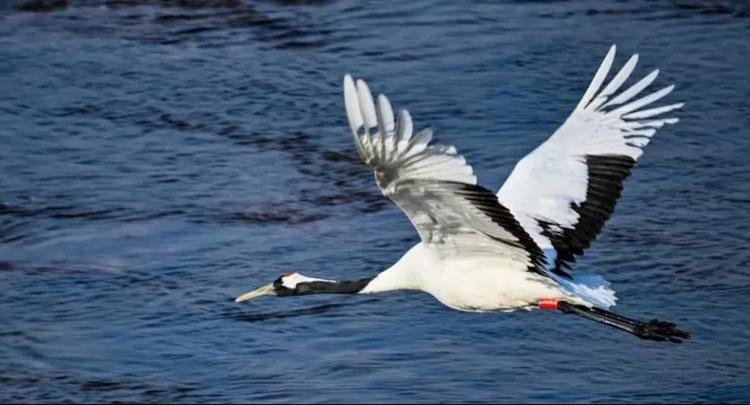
(158, 158)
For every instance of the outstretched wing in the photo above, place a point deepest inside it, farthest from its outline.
(564, 190)
(433, 185)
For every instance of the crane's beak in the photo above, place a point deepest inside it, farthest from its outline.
(260, 292)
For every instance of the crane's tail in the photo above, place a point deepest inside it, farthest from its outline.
(651, 330)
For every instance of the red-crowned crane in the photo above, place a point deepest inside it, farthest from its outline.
(486, 252)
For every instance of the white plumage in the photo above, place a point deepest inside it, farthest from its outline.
(482, 251)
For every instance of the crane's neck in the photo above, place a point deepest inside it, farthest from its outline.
(389, 280)
(397, 277)
(332, 287)
(403, 275)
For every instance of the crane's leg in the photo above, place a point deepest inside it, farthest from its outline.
(651, 330)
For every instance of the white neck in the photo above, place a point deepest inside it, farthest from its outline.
(403, 275)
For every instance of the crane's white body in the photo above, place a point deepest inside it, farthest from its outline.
(485, 251)
(476, 284)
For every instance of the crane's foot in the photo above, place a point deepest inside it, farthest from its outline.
(652, 330)
(660, 331)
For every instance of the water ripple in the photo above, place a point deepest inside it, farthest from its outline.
(161, 157)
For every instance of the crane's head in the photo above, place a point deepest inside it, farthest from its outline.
(287, 284)
(292, 283)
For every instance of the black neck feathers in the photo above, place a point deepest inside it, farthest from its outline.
(338, 287)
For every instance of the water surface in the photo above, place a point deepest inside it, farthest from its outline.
(158, 158)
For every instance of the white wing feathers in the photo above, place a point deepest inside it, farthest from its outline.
(391, 149)
(432, 184)
(564, 190)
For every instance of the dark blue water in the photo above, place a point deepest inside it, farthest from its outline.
(158, 158)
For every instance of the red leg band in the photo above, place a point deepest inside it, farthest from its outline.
(548, 304)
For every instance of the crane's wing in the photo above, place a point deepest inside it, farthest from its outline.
(433, 185)
(564, 190)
